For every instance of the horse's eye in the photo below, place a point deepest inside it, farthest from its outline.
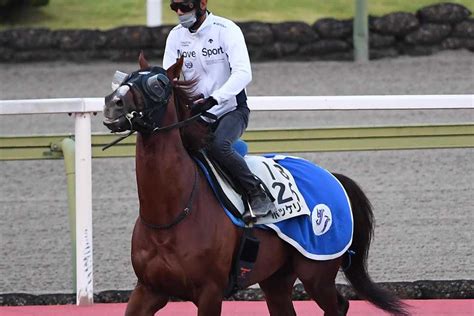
(119, 103)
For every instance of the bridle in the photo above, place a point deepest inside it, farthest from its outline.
(155, 90)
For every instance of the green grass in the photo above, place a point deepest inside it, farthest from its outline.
(106, 14)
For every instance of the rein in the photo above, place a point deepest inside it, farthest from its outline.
(182, 215)
(155, 130)
(135, 116)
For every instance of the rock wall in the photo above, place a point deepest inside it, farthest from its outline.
(433, 28)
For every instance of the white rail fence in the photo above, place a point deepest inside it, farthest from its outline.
(83, 108)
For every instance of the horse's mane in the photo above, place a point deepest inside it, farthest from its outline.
(196, 135)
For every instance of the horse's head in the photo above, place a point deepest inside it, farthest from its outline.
(141, 100)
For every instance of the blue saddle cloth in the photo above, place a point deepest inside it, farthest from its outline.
(325, 234)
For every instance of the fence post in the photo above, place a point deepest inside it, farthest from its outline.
(361, 32)
(83, 160)
(67, 148)
(153, 13)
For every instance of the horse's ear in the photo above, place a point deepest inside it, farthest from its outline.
(143, 62)
(175, 70)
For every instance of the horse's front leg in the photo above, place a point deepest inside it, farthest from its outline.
(210, 301)
(145, 302)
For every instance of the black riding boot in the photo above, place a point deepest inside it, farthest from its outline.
(260, 203)
(229, 128)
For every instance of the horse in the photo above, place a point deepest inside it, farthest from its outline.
(183, 244)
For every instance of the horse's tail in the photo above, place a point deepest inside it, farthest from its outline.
(357, 273)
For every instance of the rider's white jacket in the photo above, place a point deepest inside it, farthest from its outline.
(216, 55)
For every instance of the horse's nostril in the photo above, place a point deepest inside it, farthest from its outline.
(119, 103)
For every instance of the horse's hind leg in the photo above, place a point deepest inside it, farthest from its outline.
(278, 289)
(144, 302)
(343, 304)
(318, 278)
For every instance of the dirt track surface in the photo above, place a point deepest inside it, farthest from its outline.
(422, 198)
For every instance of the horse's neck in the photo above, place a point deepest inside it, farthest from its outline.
(165, 176)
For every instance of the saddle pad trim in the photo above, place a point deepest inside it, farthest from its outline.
(238, 222)
(298, 247)
(220, 183)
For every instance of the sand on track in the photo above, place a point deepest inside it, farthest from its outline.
(422, 198)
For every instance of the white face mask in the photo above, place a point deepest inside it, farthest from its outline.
(187, 20)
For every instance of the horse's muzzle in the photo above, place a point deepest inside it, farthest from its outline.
(120, 124)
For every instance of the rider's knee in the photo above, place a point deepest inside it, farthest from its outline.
(220, 148)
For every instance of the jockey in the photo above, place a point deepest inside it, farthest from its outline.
(215, 53)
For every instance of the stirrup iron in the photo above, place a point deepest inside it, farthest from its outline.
(249, 217)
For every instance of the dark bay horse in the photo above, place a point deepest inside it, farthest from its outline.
(183, 243)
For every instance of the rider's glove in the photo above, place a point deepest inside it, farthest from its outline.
(202, 105)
